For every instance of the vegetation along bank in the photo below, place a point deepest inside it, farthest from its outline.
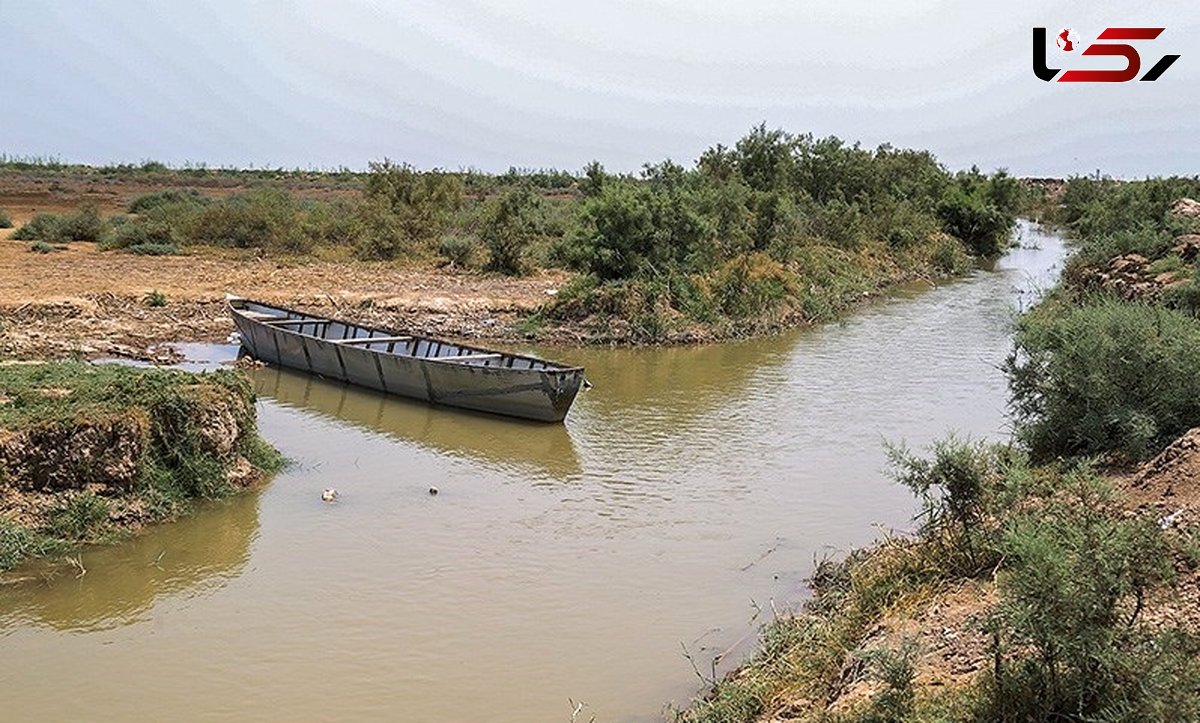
(1054, 578)
(91, 453)
(776, 231)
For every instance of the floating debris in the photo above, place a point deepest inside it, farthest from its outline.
(329, 495)
(433, 490)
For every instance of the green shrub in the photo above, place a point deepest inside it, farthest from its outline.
(404, 206)
(154, 249)
(142, 233)
(41, 247)
(5, 219)
(158, 199)
(458, 250)
(983, 227)
(510, 224)
(1107, 376)
(79, 517)
(83, 225)
(155, 298)
(42, 227)
(954, 488)
(19, 543)
(261, 219)
(1076, 573)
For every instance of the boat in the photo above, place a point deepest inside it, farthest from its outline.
(407, 365)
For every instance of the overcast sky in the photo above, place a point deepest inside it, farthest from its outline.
(494, 83)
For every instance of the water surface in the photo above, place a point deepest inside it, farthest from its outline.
(688, 491)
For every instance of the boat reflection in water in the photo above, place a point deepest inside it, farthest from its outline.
(539, 450)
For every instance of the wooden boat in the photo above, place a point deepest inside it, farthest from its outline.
(408, 365)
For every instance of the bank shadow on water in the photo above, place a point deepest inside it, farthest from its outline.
(193, 556)
(544, 451)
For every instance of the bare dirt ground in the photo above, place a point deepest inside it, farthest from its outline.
(82, 301)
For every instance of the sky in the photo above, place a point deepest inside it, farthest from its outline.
(490, 84)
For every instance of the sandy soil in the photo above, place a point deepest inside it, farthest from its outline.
(85, 301)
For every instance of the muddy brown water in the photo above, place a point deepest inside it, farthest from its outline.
(690, 490)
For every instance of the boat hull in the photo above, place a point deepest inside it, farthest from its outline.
(543, 394)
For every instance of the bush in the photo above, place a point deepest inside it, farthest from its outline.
(510, 224)
(158, 199)
(83, 225)
(458, 250)
(42, 227)
(982, 226)
(1105, 376)
(1077, 571)
(142, 233)
(5, 219)
(154, 249)
(79, 517)
(155, 298)
(260, 219)
(954, 487)
(404, 207)
(41, 247)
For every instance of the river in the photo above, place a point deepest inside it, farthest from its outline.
(689, 492)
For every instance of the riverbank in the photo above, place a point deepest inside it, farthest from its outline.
(776, 232)
(88, 303)
(90, 454)
(1058, 576)
(931, 628)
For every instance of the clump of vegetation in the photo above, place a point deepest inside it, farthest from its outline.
(1071, 570)
(130, 234)
(5, 219)
(1108, 376)
(41, 247)
(155, 298)
(685, 240)
(147, 441)
(510, 224)
(459, 251)
(83, 225)
(980, 210)
(404, 207)
(155, 249)
(170, 197)
(42, 227)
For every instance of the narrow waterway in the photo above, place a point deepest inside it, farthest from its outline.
(690, 489)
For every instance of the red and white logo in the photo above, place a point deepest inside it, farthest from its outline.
(1066, 40)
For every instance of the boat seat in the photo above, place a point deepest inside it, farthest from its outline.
(258, 315)
(375, 340)
(295, 322)
(465, 357)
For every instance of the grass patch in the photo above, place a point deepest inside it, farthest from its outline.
(96, 436)
(5, 219)
(41, 247)
(155, 249)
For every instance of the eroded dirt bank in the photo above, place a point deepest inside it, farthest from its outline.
(90, 453)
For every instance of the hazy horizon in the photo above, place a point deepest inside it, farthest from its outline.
(531, 84)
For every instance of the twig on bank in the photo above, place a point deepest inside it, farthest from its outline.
(695, 669)
(77, 563)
